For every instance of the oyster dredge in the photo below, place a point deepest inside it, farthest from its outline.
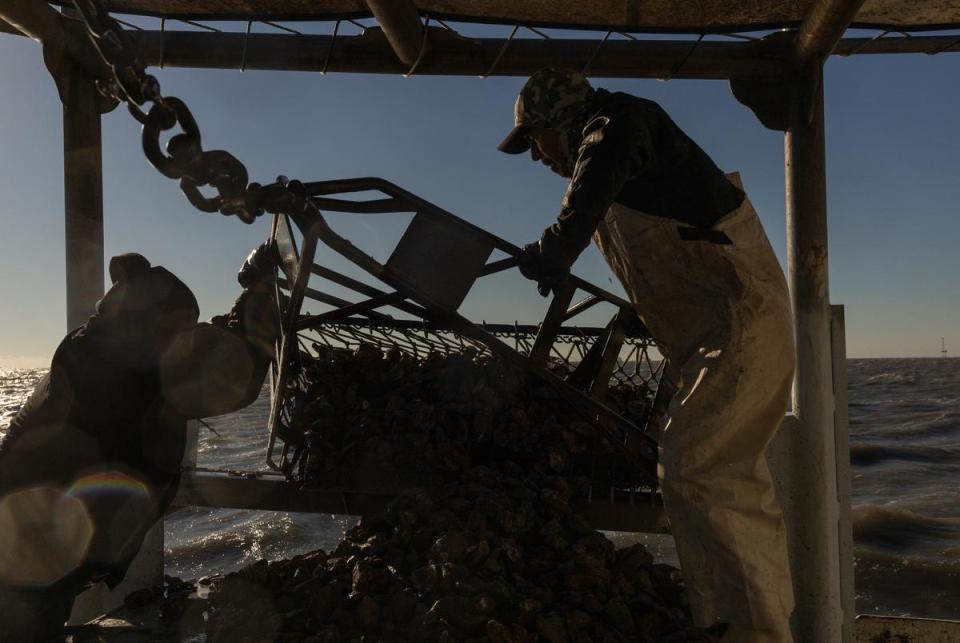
(482, 458)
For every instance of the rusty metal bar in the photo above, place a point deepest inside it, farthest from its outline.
(361, 308)
(83, 199)
(377, 206)
(552, 322)
(584, 304)
(611, 352)
(498, 266)
(372, 53)
(401, 25)
(331, 300)
(364, 289)
(347, 282)
(270, 493)
(619, 59)
(822, 29)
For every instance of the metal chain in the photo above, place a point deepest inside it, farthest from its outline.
(184, 157)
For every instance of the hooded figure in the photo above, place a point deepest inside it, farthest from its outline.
(92, 460)
(695, 262)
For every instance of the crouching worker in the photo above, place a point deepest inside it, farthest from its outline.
(92, 460)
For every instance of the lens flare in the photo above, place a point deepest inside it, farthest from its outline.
(46, 534)
(108, 483)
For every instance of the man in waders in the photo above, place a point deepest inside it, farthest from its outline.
(694, 260)
(93, 458)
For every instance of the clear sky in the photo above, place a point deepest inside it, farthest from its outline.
(893, 144)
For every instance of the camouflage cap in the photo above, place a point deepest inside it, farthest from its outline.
(550, 98)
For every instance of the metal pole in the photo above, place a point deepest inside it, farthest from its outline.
(848, 594)
(83, 199)
(821, 30)
(401, 25)
(812, 497)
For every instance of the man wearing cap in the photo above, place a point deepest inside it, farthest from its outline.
(93, 458)
(695, 262)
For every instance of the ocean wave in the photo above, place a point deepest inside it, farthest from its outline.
(916, 428)
(895, 529)
(871, 454)
(888, 583)
(896, 377)
(203, 542)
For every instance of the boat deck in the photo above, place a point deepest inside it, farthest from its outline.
(179, 619)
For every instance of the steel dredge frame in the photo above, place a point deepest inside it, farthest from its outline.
(429, 294)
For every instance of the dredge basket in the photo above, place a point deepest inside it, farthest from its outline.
(604, 375)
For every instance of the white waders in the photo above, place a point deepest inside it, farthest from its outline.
(721, 316)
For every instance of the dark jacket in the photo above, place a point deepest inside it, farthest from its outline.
(632, 153)
(108, 422)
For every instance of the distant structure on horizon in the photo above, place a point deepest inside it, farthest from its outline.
(943, 348)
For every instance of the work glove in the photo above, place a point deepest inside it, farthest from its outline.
(259, 263)
(548, 261)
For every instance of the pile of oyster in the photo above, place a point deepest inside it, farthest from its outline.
(495, 549)
(383, 411)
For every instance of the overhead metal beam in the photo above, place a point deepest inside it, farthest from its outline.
(372, 53)
(401, 24)
(822, 29)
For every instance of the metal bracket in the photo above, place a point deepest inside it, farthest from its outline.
(773, 99)
(768, 98)
(68, 75)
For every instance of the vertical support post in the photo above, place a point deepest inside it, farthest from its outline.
(841, 422)
(83, 199)
(812, 498)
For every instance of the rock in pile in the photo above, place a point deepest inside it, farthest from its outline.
(494, 551)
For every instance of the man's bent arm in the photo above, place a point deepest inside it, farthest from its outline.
(219, 367)
(613, 151)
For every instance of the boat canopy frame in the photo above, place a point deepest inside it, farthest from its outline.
(780, 78)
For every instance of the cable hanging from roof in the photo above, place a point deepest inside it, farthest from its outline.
(502, 51)
(243, 54)
(586, 66)
(423, 49)
(683, 61)
(333, 39)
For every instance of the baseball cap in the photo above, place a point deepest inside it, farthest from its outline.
(549, 98)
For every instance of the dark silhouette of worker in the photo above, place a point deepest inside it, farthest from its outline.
(92, 460)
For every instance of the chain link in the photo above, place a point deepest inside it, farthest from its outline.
(184, 157)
